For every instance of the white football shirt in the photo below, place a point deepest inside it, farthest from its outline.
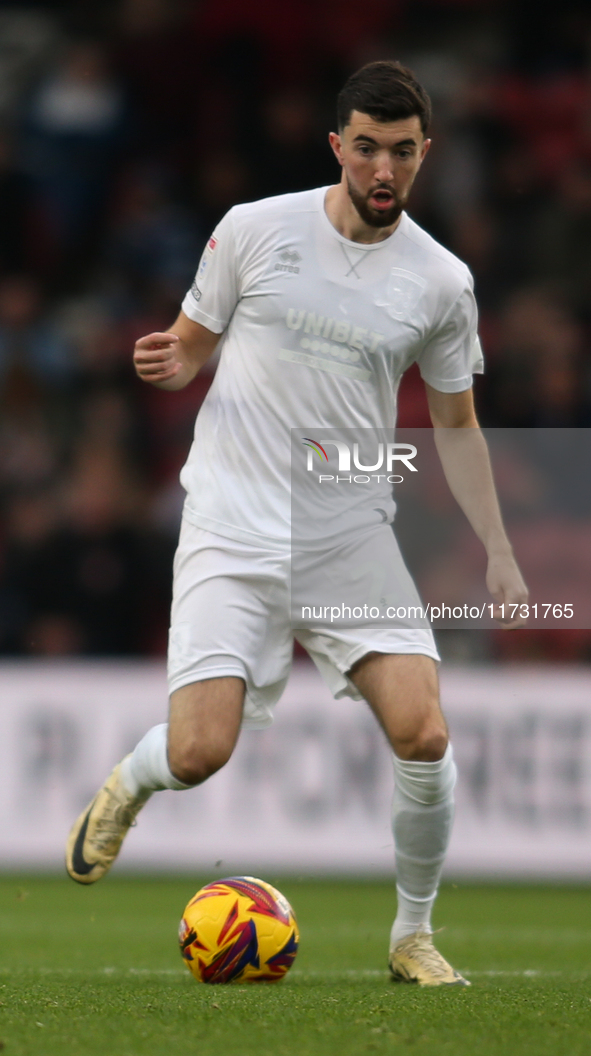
(317, 333)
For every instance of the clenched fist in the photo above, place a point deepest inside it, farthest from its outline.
(155, 359)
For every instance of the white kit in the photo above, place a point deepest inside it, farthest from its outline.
(318, 331)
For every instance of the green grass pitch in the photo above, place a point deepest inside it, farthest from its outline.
(89, 971)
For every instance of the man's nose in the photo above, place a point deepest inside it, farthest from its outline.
(384, 168)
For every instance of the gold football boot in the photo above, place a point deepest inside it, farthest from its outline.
(415, 960)
(97, 835)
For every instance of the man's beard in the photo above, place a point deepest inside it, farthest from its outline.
(371, 217)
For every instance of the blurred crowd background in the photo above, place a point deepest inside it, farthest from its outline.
(127, 129)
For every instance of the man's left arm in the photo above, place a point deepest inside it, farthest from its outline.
(464, 456)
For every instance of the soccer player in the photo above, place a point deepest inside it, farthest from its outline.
(388, 295)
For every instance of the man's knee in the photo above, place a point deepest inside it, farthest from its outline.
(192, 762)
(203, 728)
(426, 745)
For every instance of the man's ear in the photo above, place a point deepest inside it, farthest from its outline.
(425, 150)
(335, 141)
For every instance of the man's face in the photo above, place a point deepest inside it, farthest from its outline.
(380, 160)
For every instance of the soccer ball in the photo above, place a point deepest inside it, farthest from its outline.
(238, 930)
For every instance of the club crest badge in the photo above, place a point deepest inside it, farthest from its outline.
(403, 293)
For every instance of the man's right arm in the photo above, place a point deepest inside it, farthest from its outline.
(171, 360)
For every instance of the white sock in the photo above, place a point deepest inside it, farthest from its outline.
(146, 770)
(422, 819)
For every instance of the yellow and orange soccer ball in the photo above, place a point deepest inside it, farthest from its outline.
(238, 930)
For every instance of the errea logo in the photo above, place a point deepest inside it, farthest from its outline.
(288, 261)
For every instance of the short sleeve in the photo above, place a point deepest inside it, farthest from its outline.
(452, 353)
(215, 291)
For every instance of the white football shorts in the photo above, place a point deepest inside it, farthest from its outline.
(231, 616)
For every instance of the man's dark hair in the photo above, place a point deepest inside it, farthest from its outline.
(387, 91)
